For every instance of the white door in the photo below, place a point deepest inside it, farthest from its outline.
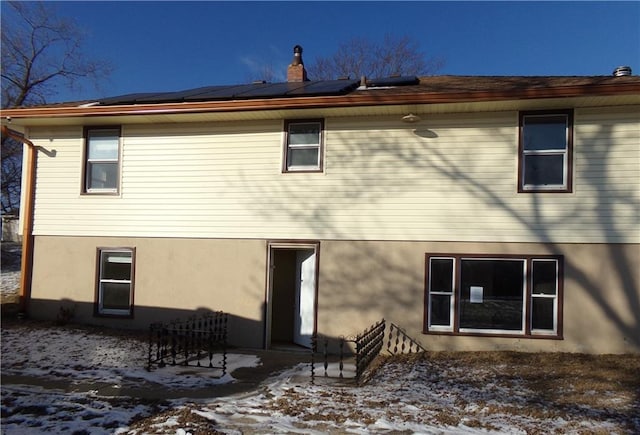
(304, 316)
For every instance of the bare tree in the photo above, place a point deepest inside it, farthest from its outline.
(40, 52)
(11, 175)
(362, 57)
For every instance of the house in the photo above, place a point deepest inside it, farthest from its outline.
(477, 213)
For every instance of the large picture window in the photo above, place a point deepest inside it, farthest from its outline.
(115, 282)
(545, 150)
(493, 295)
(303, 146)
(102, 160)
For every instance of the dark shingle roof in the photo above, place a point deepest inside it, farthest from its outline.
(460, 84)
(387, 86)
(393, 90)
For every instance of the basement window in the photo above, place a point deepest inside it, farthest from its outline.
(114, 287)
(303, 146)
(508, 296)
(102, 160)
(545, 151)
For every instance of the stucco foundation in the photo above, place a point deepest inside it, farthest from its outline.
(359, 282)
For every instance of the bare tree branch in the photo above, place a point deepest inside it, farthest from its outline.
(40, 52)
(362, 57)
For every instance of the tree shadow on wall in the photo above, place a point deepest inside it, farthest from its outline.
(367, 168)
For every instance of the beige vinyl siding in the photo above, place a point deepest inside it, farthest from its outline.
(451, 177)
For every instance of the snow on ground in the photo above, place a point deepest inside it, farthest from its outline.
(81, 381)
(10, 282)
(83, 356)
(10, 262)
(401, 398)
(70, 380)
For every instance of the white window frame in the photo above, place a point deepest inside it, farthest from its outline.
(545, 296)
(566, 153)
(451, 294)
(100, 281)
(288, 167)
(88, 162)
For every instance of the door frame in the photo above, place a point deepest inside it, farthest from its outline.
(268, 304)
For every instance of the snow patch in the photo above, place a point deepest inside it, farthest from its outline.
(422, 397)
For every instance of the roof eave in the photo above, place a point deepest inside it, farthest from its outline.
(360, 98)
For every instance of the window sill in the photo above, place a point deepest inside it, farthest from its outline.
(100, 193)
(302, 170)
(544, 190)
(114, 315)
(498, 335)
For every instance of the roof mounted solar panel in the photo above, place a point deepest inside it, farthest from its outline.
(129, 98)
(325, 87)
(223, 92)
(179, 96)
(233, 92)
(271, 90)
(394, 81)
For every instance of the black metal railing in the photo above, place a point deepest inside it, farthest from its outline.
(198, 341)
(400, 342)
(367, 346)
(321, 345)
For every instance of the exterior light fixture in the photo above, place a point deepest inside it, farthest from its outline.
(410, 118)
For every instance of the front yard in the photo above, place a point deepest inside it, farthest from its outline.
(85, 380)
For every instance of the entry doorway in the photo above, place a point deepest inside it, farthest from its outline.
(291, 296)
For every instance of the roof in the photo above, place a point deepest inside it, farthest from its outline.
(457, 84)
(390, 86)
(340, 93)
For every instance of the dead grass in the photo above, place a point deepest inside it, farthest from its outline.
(168, 421)
(531, 388)
(581, 394)
(563, 378)
(554, 385)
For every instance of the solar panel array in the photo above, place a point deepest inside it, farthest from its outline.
(257, 90)
(394, 81)
(237, 92)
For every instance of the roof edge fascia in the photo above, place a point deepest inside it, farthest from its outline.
(356, 99)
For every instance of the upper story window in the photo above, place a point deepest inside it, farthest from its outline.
(303, 145)
(102, 160)
(545, 151)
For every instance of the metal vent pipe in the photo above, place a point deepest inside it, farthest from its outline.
(622, 71)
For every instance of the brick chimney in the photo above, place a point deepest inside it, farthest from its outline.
(296, 71)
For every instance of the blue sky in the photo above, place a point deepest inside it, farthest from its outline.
(167, 46)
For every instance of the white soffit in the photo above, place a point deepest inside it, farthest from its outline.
(337, 112)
